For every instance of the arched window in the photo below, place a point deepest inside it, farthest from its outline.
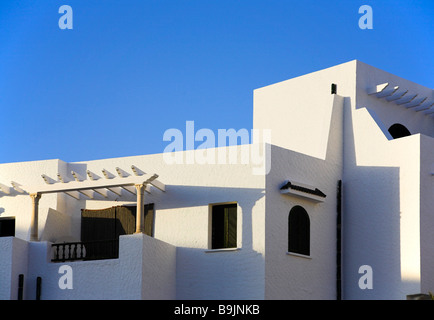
(398, 131)
(299, 231)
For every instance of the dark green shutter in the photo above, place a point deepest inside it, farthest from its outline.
(149, 219)
(125, 220)
(98, 224)
(231, 226)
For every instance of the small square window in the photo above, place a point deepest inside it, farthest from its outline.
(224, 226)
(7, 227)
(334, 88)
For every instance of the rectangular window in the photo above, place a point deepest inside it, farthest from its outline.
(7, 227)
(224, 226)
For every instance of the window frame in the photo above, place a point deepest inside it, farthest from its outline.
(211, 246)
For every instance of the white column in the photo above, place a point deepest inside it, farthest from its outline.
(140, 217)
(34, 219)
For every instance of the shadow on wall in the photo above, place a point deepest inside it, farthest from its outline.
(371, 223)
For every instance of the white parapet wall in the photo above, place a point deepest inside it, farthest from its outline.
(13, 262)
(145, 269)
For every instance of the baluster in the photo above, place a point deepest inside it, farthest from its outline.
(55, 254)
(63, 252)
(83, 250)
(60, 252)
(65, 247)
(74, 256)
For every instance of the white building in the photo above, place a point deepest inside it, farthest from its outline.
(348, 182)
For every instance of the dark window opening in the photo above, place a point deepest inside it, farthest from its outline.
(7, 227)
(399, 131)
(224, 226)
(334, 88)
(299, 231)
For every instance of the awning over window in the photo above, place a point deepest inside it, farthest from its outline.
(302, 190)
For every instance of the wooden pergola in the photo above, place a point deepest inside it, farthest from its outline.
(136, 184)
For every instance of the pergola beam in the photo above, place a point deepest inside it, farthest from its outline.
(74, 195)
(96, 184)
(102, 192)
(129, 189)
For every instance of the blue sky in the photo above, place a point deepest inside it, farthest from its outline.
(130, 70)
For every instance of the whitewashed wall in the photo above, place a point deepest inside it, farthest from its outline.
(304, 117)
